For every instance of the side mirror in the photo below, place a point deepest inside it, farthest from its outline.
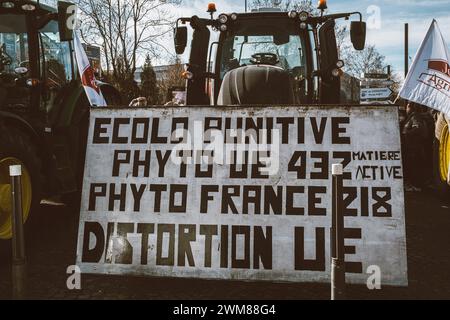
(180, 38)
(66, 20)
(358, 34)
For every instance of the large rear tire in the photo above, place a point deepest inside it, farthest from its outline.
(16, 148)
(442, 157)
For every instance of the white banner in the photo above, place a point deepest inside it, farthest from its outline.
(258, 207)
(428, 80)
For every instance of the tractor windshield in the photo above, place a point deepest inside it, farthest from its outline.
(280, 41)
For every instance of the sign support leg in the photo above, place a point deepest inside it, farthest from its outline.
(19, 262)
(337, 239)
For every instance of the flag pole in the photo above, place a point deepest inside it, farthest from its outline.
(406, 49)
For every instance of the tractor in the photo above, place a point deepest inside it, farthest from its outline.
(44, 111)
(271, 57)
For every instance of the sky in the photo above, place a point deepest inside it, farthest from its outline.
(386, 33)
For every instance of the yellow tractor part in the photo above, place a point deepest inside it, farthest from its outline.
(5, 196)
(444, 153)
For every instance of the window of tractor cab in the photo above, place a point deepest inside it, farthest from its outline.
(14, 53)
(57, 60)
(13, 43)
(259, 36)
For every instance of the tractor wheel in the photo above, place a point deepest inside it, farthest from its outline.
(442, 157)
(17, 149)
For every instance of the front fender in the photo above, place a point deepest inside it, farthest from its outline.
(77, 103)
(76, 97)
(12, 119)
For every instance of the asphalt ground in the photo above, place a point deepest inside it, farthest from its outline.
(51, 248)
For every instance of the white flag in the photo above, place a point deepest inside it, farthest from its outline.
(428, 81)
(88, 80)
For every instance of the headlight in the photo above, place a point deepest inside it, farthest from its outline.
(223, 18)
(292, 14)
(223, 28)
(336, 72)
(304, 16)
(32, 82)
(340, 64)
(303, 25)
(187, 75)
(234, 16)
(8, 5)
(29, 7)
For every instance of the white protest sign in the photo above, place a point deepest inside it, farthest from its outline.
(257, 208)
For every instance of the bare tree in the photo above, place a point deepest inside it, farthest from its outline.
(171, 78)
(343, 45)
(127, 30)
(367, 60)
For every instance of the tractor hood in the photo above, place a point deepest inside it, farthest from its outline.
(257, 84)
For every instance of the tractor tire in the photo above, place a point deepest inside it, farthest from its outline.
(16, 148)
(441, 158)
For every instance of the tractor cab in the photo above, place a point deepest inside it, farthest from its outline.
(44, 111)
(36, 56)
(270, 52)
(265, 56)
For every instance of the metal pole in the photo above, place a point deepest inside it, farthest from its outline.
(245, 6)
(337, 238)
(19, 261)
(406, 49)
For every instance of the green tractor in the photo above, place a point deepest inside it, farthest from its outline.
(44, 111)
